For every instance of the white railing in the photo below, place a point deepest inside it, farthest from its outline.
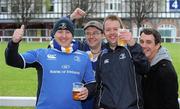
(33, 38)
(17, 101)
(21, 101)
(42, 39)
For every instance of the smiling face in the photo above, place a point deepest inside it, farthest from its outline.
(93, 37)
(111, 31)
(63, 38)
(147, 42)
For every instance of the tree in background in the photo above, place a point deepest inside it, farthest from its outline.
(24, 10)
(141, 9)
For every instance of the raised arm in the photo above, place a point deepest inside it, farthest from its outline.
(12, 57)
(77, 14)
(139, 59)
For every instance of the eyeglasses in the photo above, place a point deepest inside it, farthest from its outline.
(92, 34)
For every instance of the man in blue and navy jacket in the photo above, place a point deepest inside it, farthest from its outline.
(58, 67)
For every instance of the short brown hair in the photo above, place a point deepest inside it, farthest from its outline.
(114, 17)
(154, 32)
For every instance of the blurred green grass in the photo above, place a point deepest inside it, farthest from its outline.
(174, 51)
(15, 81)
(19, 82)
(16, 108)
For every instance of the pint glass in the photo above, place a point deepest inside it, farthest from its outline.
(77, 87)
(122, 42)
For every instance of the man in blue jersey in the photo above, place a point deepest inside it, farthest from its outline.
(58, 67)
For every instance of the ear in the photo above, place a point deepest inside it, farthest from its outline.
(158, 46)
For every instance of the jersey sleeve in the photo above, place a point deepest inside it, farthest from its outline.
(29, 57)
(89, 76)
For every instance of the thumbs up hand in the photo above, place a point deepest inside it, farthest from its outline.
(18, 34)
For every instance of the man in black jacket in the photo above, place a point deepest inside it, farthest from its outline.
(119, 69)
(160, 85)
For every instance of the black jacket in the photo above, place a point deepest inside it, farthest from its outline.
(119, 71)
(160, 85)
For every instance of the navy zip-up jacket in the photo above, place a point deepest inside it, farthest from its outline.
(118, 75)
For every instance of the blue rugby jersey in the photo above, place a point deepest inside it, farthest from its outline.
(60, 70)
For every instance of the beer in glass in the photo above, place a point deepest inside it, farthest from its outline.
(77, 87)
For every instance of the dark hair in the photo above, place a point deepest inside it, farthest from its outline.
(155, 33)
(114, 17)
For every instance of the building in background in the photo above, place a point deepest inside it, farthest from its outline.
(40, 15)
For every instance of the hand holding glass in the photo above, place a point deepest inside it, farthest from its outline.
(121, 33)
(77, 87)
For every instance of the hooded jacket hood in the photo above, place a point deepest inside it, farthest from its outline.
(161, 54)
